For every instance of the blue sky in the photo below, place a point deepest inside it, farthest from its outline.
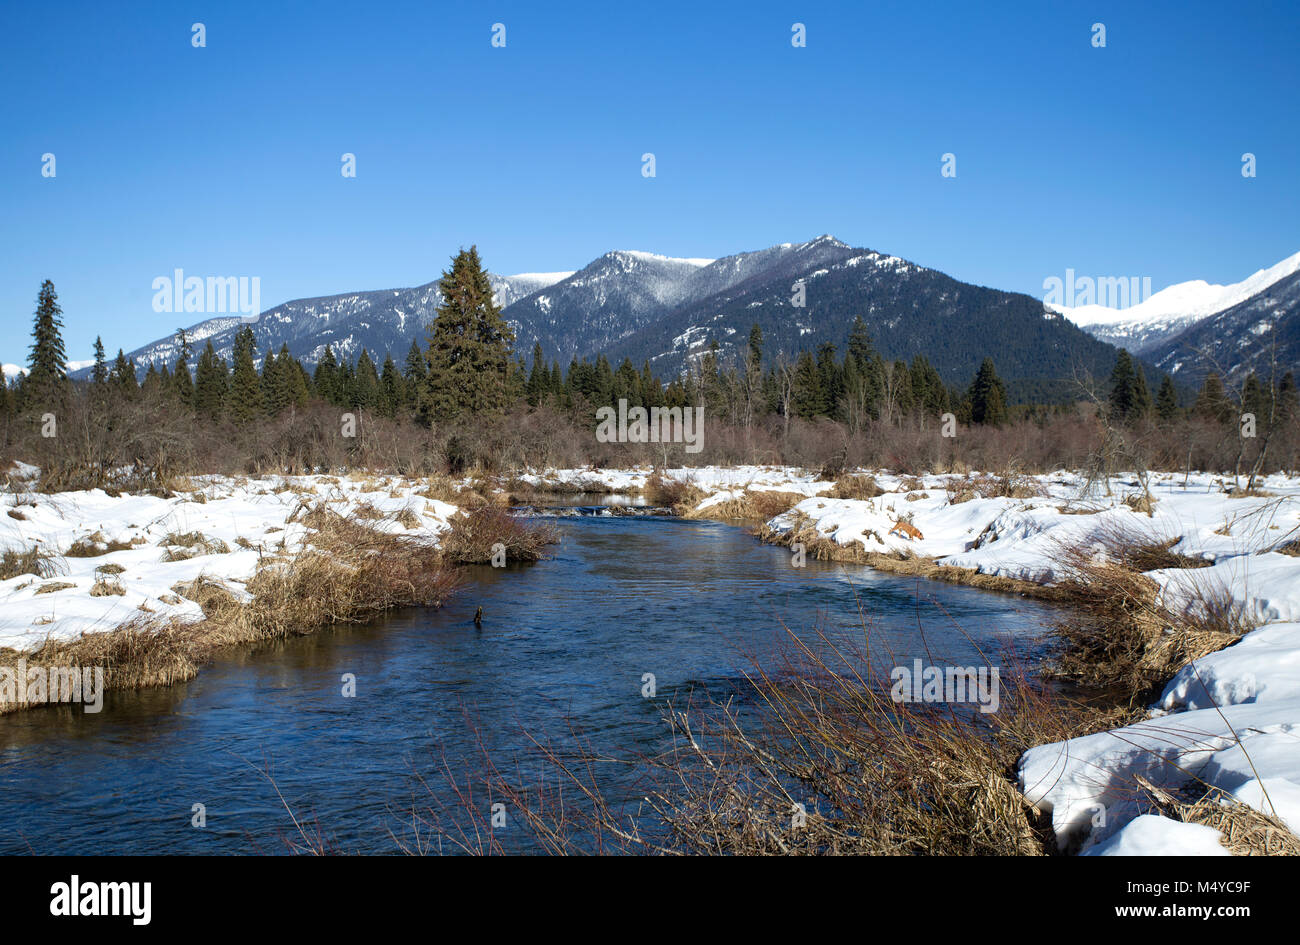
(225, 160)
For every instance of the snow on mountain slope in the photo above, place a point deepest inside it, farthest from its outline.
(1146, 325)
(379, 321)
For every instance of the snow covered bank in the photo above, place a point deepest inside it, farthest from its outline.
(110, 560)
(1230, 720)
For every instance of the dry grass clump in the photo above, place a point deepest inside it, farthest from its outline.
(440, 488)
(181, 546)
(1120, 634)
(14, 513)
(678, 494)
(366, 511)
(855, 487)
(1139, 550)
(54, 587)
(1141, 502)
(107, 587)
(1246, 831)
(95, 545)
(29, 561)
(474, 537)
(749, 506)
(408, 518)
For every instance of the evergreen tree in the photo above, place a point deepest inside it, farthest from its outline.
(1212, 402)
(469, 346)
(392, 388)
(809, 399)
(182, 383)
(99, 373)
(123, 374)
(1167, 399)
(1254, 399)
(326, 378)
(1287, 400)
(211, 379)
(244, 399)
(539, 379)
(365, 387)
(987, 396)
(6, 398)
(1123, 393)
(46, 385)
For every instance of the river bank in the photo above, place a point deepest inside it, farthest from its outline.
(1215, 575)
(1206, 592)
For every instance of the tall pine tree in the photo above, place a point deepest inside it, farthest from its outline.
(469, 346)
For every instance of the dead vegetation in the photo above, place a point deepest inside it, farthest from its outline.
(479, 535)
(1245, 831)
(680, 495)
(94, 546)
(346, 573)
(181, 546)
(761, 504)
(34, 561)
(1121, 634)
(853, 486)
(817, 758)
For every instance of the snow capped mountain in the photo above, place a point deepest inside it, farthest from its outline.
(626, 290)
(1147, 325)
(1260, 333)
(381, 321)
(908, 310)
(669, 310)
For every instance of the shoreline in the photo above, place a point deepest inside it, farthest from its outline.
(989, 534)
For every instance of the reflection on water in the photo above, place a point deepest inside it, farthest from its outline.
(563, 643)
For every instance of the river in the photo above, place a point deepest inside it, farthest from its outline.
(564, 644)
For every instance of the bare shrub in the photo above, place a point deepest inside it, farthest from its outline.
(474, 537)
(30, 561)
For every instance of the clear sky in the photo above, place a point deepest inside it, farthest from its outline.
(225, 160)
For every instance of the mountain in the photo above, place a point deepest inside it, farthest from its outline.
(908, 309)
(624, 292)
(1260, 333)
(1153, 324)
(379, 321)
(669, 310)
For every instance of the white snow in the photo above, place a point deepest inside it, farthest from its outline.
(258, 511)
(1184, 301)
(1230, 720)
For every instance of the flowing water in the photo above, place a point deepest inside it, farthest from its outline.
(564, 646)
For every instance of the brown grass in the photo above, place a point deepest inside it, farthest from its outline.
(181, 546)
(94, 546)
(677, 494)
(750, 506)
(54, 587)
(855, 487)
(821, 761)
(347, 573)
(1119, 635)
(1246, 831)
(31, 561)
(474, 536)
(819, 547)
